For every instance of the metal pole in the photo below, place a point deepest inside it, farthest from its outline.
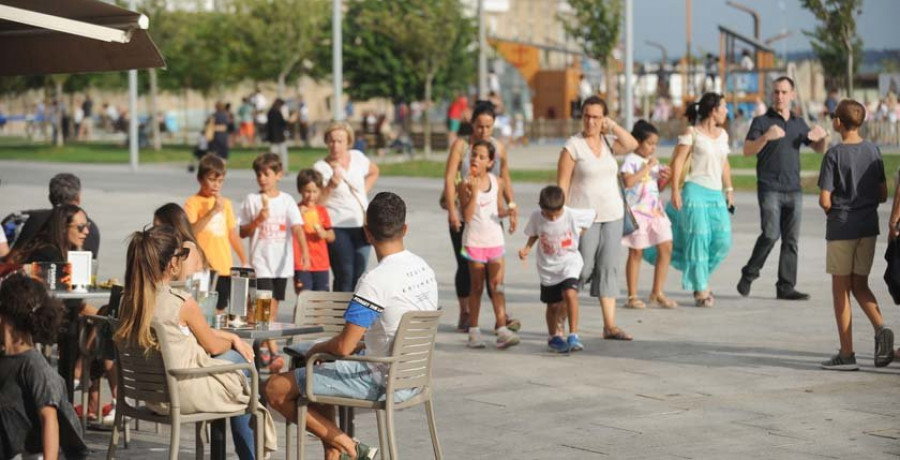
(629, 64)
(686, 85)
(133, 111)
(337, 62)
(482, 55)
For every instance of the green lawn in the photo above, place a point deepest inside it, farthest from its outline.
(18, 149)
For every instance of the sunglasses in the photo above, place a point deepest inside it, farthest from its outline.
(183, 253)
(82, 227)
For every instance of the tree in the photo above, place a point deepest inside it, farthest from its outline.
(402, 49)
(282, 37)
(596, 26)
(835, 40)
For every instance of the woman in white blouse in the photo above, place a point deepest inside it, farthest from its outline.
(701, 227)
(349, 176)
(588, 173)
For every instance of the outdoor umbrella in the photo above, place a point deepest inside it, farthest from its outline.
(72, 36)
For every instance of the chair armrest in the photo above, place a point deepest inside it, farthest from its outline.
(254, 377)
(209, 370)
(316, 357)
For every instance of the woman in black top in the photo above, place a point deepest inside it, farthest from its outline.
(65, 230)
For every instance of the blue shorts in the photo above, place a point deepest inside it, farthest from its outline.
(348, 379)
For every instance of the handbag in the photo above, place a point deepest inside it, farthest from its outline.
(687, 160)
(629, 222)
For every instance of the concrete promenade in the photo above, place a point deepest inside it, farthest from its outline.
(740, 380)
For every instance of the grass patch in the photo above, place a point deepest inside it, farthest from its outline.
(242, 158)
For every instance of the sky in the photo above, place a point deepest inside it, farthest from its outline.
(664, 21)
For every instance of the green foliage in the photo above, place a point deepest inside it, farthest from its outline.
(834, 40)
(281, 36)
(595, 24)
(392, 48)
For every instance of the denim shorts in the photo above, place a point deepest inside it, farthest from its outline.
(348, 379)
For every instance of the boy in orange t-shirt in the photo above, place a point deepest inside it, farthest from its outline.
(317, 227)
(214, 224)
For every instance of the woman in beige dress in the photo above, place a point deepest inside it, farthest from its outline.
(154, 258)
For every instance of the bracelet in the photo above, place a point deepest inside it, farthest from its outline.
(512, 205)
(729, 189)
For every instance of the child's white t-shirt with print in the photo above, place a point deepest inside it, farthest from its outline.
(271, 249)
(558, 258)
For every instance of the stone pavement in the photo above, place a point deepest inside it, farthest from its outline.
(740, 380)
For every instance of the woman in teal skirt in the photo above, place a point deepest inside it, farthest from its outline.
(701, 226)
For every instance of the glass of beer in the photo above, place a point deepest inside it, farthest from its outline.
(263, 307)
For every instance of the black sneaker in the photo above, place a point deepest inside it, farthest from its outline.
(743, 287)
(840, 363)
(884, 347)
(793, 295)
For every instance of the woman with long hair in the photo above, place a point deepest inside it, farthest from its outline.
(458, 167)
(65, 230)
(173, 215)
(701, 227)
(349, 177)
(154, 257)
(589, 175)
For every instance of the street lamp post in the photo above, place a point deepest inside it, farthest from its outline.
(629, 63)
(482, 55)
(337, 62)
(133, 110)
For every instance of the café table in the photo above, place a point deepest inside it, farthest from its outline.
(68, 339)
(273, 330)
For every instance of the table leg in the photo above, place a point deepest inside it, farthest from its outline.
(217, 439)
(68, 350)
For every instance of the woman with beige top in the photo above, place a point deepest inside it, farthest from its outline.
(154, 258)
(702, 197)
(587, 171)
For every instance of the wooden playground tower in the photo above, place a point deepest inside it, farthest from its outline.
(741, 86)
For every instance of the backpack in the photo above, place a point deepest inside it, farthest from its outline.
(12, 225)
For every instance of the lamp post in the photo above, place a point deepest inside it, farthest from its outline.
(133, 111)
(629, 63)
(337, 61)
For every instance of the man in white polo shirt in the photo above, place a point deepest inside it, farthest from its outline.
(401, 282)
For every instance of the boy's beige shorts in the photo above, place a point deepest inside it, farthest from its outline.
(846, 257)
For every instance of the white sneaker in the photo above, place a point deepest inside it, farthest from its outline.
(475, 340)
(109, 418)
(506, 338)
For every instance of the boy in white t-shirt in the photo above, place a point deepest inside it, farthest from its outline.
(559, 263)
(268, 218)
(402, 282)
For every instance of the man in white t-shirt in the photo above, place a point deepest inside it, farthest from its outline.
(402, 282)
(559, 263)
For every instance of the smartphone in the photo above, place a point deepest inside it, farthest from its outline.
(731, 209)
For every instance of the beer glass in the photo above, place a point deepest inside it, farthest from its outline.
(263, 307)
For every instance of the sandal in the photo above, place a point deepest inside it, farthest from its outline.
(616, 334)
(635, 303)
(705, 302)
(661, 301)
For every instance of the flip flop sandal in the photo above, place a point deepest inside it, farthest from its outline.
(616, 334)
(635, 303)
(662, 301)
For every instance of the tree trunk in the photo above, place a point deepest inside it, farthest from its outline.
(425, 115)
(848, 46)
(612, 98)
(281, 77)
(154, 124)
(59, 113)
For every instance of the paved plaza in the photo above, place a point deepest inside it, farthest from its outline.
(740, 380)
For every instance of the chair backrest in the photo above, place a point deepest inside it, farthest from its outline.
(143, 377)
(324, 309)
(414, 348)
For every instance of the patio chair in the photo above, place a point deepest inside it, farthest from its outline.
(316, 308)
(410, 363)
(145, 378)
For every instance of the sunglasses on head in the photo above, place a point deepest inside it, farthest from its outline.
(82, 227)
(182, 253)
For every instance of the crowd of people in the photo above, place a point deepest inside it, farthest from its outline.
(578, 231)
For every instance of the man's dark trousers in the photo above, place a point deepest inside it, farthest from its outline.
(779, 214)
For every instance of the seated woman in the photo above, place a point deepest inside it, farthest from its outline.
(154, 257)
(65, 230)
(173, 215)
